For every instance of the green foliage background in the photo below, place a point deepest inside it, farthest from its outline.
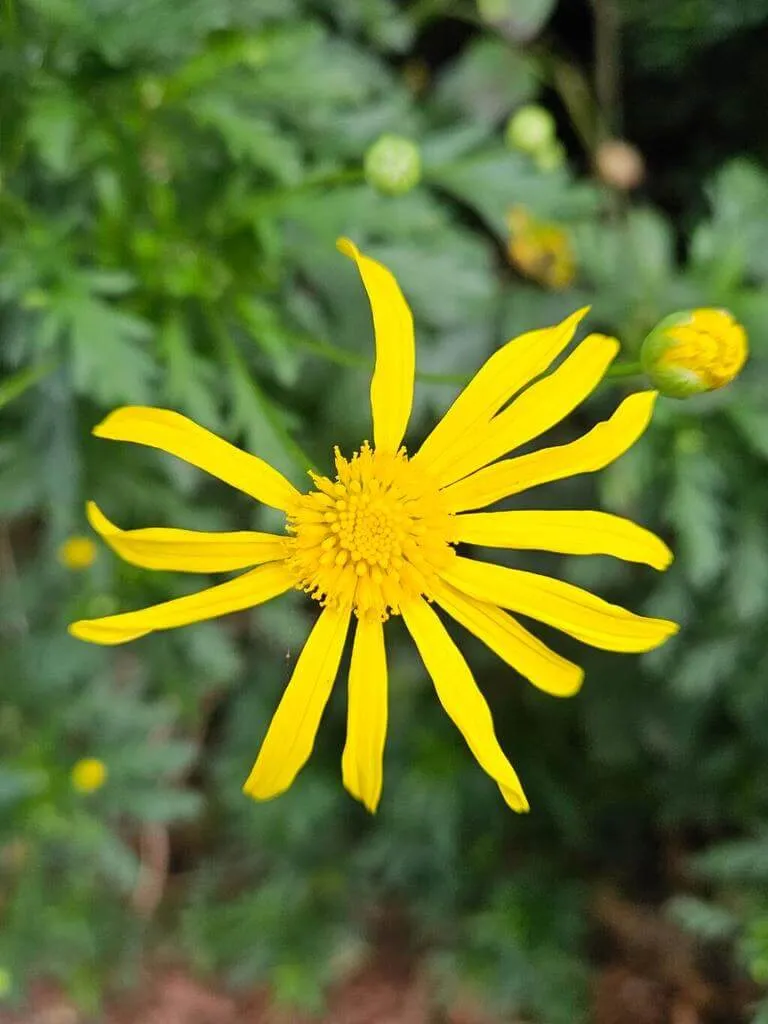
(173, 176)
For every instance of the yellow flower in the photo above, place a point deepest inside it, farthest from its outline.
(694, 351)
(540, 250)
(88, 775)
(380, 539)
(77, 553)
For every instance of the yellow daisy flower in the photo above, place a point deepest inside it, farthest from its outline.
(380, 539)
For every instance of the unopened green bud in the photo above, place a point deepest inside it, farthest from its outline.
(694, 351)
(550, 157)
(530, 129)
(393, 165)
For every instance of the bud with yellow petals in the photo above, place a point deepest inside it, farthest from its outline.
(541, 250)
(88, 775)
(694, 351)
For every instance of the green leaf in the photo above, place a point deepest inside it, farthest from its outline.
(191, 384)
(250, 138)
(53, 127)
(109, 362)
(17, 384)
(495, 180)
(705, 920)
(735, 240)
(706, 667)
(696, 511)
(487, 81)
(264, 324)
(746, 592)
(521, 20)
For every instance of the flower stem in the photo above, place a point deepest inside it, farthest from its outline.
(621, 370)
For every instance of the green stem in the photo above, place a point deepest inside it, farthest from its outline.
(22, 381)
(621, 370)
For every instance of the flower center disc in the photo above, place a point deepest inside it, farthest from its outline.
(373, 537)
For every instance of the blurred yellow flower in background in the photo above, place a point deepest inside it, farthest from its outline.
(77, 553)
(380, 539)
(540, 250)
(88, 775)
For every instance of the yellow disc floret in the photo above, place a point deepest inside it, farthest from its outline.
(371, 538)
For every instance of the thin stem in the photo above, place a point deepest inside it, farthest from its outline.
(619, 371)
(15, 386)
(607, 64)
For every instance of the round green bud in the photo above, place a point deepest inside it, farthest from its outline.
(393, 165)
(694, 351)
(530, 129)
(550, 157)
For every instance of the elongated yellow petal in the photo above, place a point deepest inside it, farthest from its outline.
(393, 375)
(513, 644)
(252, 588)
(569, 533)
(544, 404)
(605, 442)
(459, 695)
(501, 376)
(362, 760)
(568, 608)
(187, 550)
(175, 434)
(291, 734)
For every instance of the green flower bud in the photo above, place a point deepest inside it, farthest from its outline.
(550, 157)
(694, 351)
(530, 129)
(393, 165)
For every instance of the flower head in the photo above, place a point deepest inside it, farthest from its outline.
(77, 553)
(88, 774)
(379, 539)
(393, 165)
(695, 351)
(540, 250)
(530, 129)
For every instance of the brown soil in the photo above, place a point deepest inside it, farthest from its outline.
(651, 973)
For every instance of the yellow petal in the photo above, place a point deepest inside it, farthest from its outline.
(605, 442)
(568, 533)
(459, 695)
(544, 404)
(501, 376)
(392, 384)
(513, 644)
(361, 762)
(568, 608)
(252, 588)
(175, 434)
(187, 550)
(291, 734)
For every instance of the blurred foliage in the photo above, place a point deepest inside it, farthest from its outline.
(173, 176)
